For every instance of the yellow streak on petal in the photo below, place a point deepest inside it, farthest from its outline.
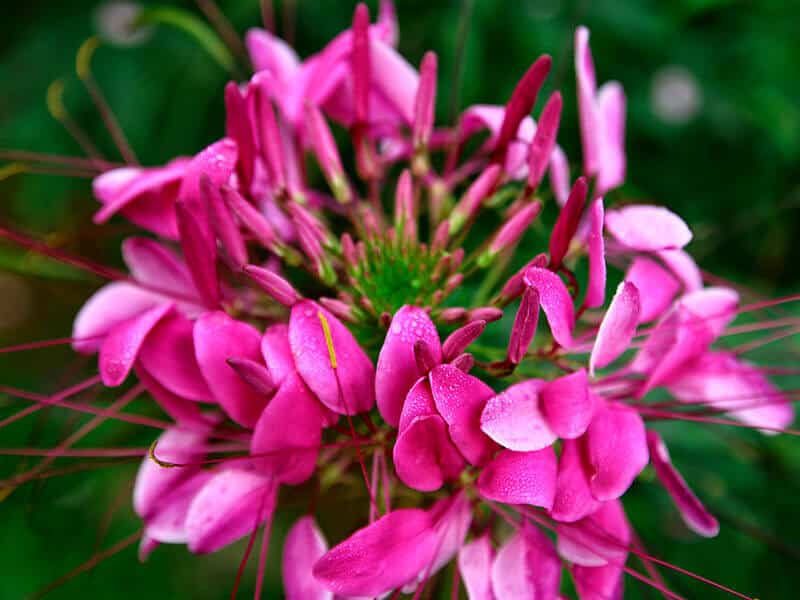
(158, 461)
(326, 330)
(84, 56)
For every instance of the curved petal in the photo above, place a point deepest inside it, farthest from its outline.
(514, 419)
(657, 287)
(520, 478)
(277, 353)
(271, 54)
(568, 404)
(556, 303)
(683, 267)
(218, 337)
(617, 327)
(424, 456)
(573, 500)
(526, 566)
(418, 403)
(647, 228)
(475, 565)
(397, 370)
(600, 539)
(230, 505)
(349, 388)
(304, 545)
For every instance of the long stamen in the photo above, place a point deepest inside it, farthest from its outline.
(58, 111)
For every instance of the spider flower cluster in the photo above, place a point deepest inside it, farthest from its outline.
(319, 305)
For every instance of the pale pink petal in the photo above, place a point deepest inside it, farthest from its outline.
(556, 303)
(397, 370)
(568, 405)
(286, 439)
(520, 478)
(716, 306)
(121, 347)
(276, 352)
(596, 285)
(647, 228)
(515, 420)
(694, 514)
(617, 450)
(394, 79)
(526, 566)
(599, 583)
(559, 175)
(657, 287)
(573, 500)
(424, 456)
(587, 87)
(385, 555)
(460, 399)
(475, 565)
(451, 517)
(599, 539)
(617, 327)
(305, 545)
(230, 505)
(684, 268)
(218, 337)
(611, 148)
(350, 387)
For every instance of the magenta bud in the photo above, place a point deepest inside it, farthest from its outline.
(250, 218)
(223, 224)
(360, 63)
(405, 217)
(567, 223)
(513, 229)
(453, 282)
(254, 374)
(274, 285)
(271, 144)
(467, 208)
(544, 140)
(461, 338)
(327, 153)
(424, 357)
(516, 283)
(452, 315)
(341, 309)
(520, 105)
(425, 102)
(349, 250)
(441, 236)
(463, 362)
(524, 327)
(485, 313)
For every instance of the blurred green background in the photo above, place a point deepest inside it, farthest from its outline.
(713, 131)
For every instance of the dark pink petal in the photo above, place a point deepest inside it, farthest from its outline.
(611, 148)
(657, 287)
(724, 382)
(460, 399)
(568, 405)
(360, 63)
(556, 303)
(526, 566)
(418, 403)
(424, 456)
(342, 376)
(587, 88)
(286, 438)
(475, 565)
(596, 286)
(217, 162)
(156, 266)
(514, 418)
(109, 307)
(599, 539)
(239, 129)
(385, 555)
(304, 546)
(617, 450)
(230, 505)
(573, 500)
(168, 357)
(180, 409)
(276, 352)
(217, 337)
(567, 222)
(694, 514)
(599, 583)
(544, 140)
(647, 228)
(520, 478)
(617, 327)
(397, 369)
(121, 347)
(224, 226)
(684, 268)
(524, 328)
(200, 251)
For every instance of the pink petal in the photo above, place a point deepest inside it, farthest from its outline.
(398, 546)
(276, 352)
(526, 566)
(156, 266)
(180, 409)
(271, 54)
(216, 162)
(168, 524)
(109, 307)
(460, 399)
(617, 327)
(596, 286)
(684, 268)
(288, 433)
(611, 148)
(349, 389)
(217, 337)
(597, 540)
(424, 456)
(716, 306)
(559, 175)
(451, 517)
(587, 87)
(599, 583)
(544, 140)
(229, 506)
(239, 129)
(568, 404)
(524, 328)
(168, 356)
(397, 370)
(617, 450)
(520, 478)
(514, 418)
(556, 303)
(418, 403)
(475, 565)
(394, 79)
(304, 546)
(657, 287)
(647, 228)
(694, 514)
(200, 250)
(122, 345)
(573, 500)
